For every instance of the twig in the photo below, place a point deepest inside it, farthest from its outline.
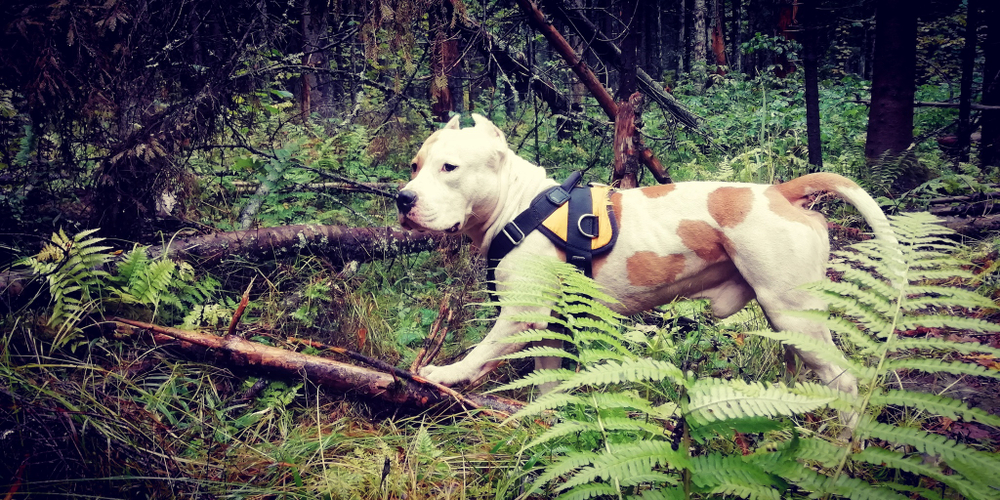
(239, 309)
(432, 344)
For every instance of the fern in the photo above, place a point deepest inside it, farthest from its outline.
(79, 285)
(73, 268)
(613, 409)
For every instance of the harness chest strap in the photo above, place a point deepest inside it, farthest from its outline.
(576, 219)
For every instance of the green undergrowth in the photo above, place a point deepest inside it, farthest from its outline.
(630, 424)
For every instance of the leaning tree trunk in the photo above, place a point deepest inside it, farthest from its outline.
(890, 118)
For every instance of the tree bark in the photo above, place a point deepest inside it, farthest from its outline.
(556, 40)
(338, 243)
(444, 59)
(699, 52)
(890, 118)
(347, 379)
(514, 65)
(968, 66)
(989, 152)
(626, 170)
(605, 45)
(810, 40)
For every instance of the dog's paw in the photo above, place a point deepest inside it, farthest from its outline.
(444, 375)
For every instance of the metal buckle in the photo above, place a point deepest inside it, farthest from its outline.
(594, 227)
(511, 238)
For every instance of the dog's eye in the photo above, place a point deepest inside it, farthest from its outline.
(448, 167)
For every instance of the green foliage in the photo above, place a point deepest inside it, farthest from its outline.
(73, 269)
(80, 286)
(618, 433)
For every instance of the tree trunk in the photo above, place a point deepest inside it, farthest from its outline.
(718, 40)
(736, 36)
(444, 60)
(537, 20)
(699, 51)
(810, 41)
(890, 118)
(316, 94)
(968, 67)
(989, 152)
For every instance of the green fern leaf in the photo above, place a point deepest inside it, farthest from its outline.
(632, 370)
(572, 461)
(533, 335)
(939, 366)
(539, 351)
(926, 344)
(625, 461)
(717, 474)
(592, 490)
(537, 377)
(954, 409)
(879, 456)
(944, 321)
(955, 296)
(712, 400)
(933, 444)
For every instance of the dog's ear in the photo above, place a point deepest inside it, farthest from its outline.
(488, 126)
(454, 122)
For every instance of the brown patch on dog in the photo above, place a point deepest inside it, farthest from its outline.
(730, 205)
(657, 191)
(649, 269)
(704, 240)
(799, 191)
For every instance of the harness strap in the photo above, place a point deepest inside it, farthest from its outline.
(581, 231)
(514, 232)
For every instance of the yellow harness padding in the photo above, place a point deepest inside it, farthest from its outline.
(600, 196)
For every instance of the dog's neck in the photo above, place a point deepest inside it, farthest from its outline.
(520, 182)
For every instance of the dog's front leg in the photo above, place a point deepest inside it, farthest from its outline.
(482, 359)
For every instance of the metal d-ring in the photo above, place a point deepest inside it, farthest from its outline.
(579, 225)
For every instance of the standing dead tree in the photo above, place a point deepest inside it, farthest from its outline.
(538, 21)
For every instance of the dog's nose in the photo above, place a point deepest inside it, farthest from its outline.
(405, 201)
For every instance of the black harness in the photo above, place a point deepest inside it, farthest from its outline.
(582, 228)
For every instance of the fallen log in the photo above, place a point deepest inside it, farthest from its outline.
(338, 243)
(972, 226)
(346, 379)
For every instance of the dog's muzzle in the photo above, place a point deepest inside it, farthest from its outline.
(405, 201)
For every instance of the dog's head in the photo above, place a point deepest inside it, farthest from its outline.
(454, 178)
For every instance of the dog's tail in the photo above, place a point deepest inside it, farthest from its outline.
(799, 192)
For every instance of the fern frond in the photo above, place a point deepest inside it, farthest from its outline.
(539, 351)
(567, 464)
(571, 427)
(537, 377)
(878, 303)
(840, 400)
(879, 456)
(534, 335)
(548, 401)
(625, 462)
(964, 298)
(938, 366)
(587, 491)
(822, 350)
(630, 370)
(591, 356)
(928, 343)
(712, 400)
(873, 284)
(945, 321)
(714, 473)
(933, 444)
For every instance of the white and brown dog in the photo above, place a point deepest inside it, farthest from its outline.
(728, 242)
